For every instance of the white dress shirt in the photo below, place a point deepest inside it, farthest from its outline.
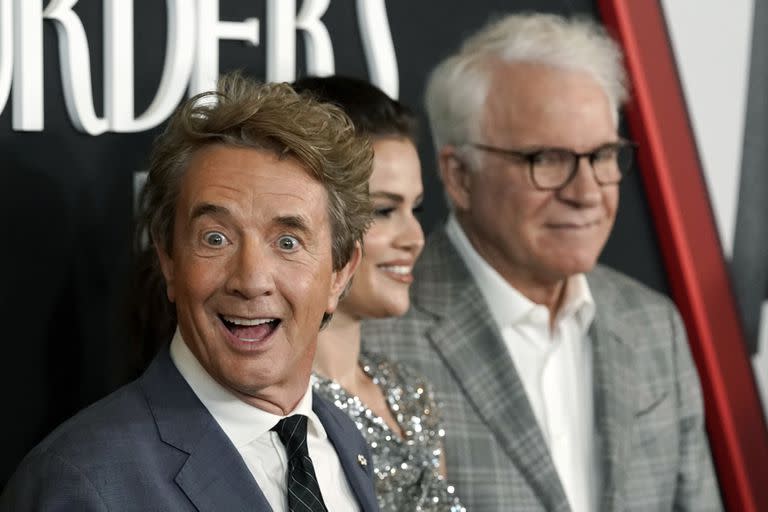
(264, 454)
(554, 365)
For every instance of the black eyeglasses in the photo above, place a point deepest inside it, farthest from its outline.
(554, 168)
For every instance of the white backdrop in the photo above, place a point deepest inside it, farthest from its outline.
(711, 40)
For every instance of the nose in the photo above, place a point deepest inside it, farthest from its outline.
(583, 190)
(250, 272)
(411, 236)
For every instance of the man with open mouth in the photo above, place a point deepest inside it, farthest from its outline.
(255, 204)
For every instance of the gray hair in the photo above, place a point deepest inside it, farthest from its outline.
(458, 86)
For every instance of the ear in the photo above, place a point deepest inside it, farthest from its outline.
(166, 265)
(455, 176)
(340, 278)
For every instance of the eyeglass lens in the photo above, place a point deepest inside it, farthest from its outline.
(553, 168)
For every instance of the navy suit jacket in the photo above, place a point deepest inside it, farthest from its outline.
(152, 445)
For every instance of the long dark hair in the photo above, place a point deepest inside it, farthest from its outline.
(372, 112)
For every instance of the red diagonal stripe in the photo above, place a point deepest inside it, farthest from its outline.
(697, 273)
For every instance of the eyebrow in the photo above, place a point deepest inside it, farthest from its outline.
(204, 209)
(297, 222)
(394, 197)
(536, 149)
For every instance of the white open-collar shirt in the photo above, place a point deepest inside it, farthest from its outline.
(248, 428)
(554, 365)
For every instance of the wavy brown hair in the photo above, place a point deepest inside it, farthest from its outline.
(245, 113)
(272, 117)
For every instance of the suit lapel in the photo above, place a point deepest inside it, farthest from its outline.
(214, 476)
(614, 378)
(358, 475)
(472, 347)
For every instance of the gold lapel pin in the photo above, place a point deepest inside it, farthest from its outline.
(362, 460)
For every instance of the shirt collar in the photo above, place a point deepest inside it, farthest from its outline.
(578, 302)
(507, 305)
(242, 422)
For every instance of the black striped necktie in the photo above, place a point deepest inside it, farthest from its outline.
(303, 490)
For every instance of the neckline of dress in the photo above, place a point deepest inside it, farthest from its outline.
(364, 361)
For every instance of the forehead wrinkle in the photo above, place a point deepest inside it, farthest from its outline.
(299, 222)
(294, 195)
(292, 210)
(208, 209)
(534, 118)
(211, 198)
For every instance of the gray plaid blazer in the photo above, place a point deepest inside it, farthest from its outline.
(648, 407)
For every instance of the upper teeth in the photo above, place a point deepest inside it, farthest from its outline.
(397, 269)
(247, 321)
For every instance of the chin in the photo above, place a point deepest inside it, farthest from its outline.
(376, 302)
(389, 309)
(579, 266)
(400, 311)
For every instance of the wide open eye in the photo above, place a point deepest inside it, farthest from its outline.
(215, 239)
(288, 243)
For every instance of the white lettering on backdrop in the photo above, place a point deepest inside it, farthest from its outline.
(191, 60)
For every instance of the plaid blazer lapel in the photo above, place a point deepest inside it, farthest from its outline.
(471, 345)
(614, 378)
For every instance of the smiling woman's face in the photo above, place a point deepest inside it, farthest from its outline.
(394, 241)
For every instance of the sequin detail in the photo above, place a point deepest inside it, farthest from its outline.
(406, 470)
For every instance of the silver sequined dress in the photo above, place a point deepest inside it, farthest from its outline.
(406, 470)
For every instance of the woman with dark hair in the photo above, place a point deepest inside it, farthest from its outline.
(393, 407)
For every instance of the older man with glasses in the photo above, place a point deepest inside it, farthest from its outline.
(564, 384)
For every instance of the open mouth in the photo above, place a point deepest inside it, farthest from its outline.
(402, 270)
(250, 330)
(400, 273)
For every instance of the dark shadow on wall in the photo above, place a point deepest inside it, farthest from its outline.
(40, 317)
(61, 351)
